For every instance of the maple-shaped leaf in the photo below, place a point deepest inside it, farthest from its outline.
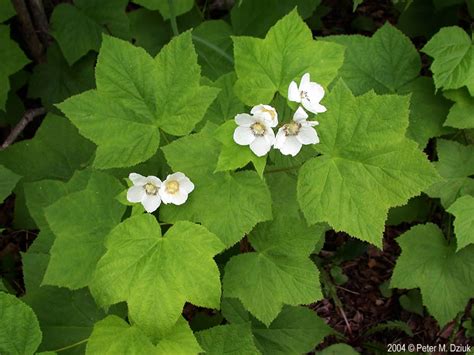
(228, 339)
(138, 95)
(12, 59)
(461, 114)
(266, 66)
(456, 166)
(113, 335)
(157, 274)
(463, 211)
(242, 195)
(430, 263)
(8, 180)
(366, 166)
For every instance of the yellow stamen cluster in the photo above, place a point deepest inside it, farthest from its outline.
(258, 129)
(151, 189)
(172, 187)
(292, 128)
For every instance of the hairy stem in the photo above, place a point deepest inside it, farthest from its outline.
(174, 25)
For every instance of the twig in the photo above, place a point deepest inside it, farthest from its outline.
(29, 116)
(40, 20)
(174, 25)
(29, 33)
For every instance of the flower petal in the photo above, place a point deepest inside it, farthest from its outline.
(244, 119)
(137, 179)
(151, 203)
(179, 198)
(300, 115)
(175, 176)
(291, 146)
(304, 83)
(260, 146)
(135, 194)
(293, 92)
(153, 180)
(315, 92)
(186, 184)
(243, 135)
(307, 135)
(280, 138)
(267, 112)
(269, 136)
(312, 107)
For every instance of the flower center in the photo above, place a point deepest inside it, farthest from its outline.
(292, 128)
(258, 129)
(172, 187)
(304, 95)
(151, 189)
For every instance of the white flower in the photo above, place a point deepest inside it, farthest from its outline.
(309, 94)
(175, 189)
(145, 190)
(292, 136)
(254, 131)
(270, 114)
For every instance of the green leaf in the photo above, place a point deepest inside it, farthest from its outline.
(247, 19)
(412, 302)
(149, 30)
(162, 93)
(228, 339)
(427, 261)
(80, 221)
(367, 165)
(55, 80)
(338, 349)
(214, 48)
(12, 59)
(355, 4)
(227, 104)
(455, 165)
(179, 7)
(65, 317)
(391, 325)
(294, 52)
(296, 330)
(20, 329)
(242, 195)
(78, 28)
(136, 251)
(234, 156)
(463, 210)
(6, 10)
(55, 152)
(461, 113)
(8, 180)
(453, 53)
(388, 62)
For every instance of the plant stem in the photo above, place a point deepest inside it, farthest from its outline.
(29, 116)
(72, 345)
(174, 25)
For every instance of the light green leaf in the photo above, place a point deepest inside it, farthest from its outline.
(463, 210)
(20, 333)
(124, 114)
(247, 19)
(296, 330)
(228, 339)
(455, 165)
(6, 10)
(12, 59)
(156, 275)
(55, 152)
(427, 261)
(227, 104)
(65, 317)
(55, 80)
(78, 28)
(179, 7)
(80, 221)
(242, 195)
(367, 165)
(388, 62)
(234, 156)
(453, 53)
(113, 335)
(461, 114)
(338, 349)
(214, 48)
(8, 180)
(355, 4)
(149, 30)
(293, 53)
